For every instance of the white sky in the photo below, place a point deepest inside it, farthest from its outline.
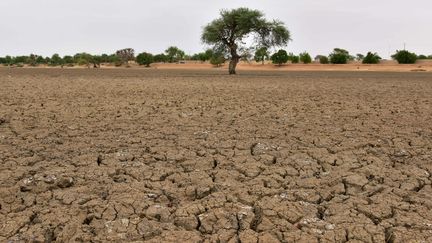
(46, 27)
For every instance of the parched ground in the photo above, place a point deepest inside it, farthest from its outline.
(200, 156)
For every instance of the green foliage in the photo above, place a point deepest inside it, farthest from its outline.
(83, 59)
(405, 57)
(371, 58)
(217, 59)
(422, 57)
(56, 60)
(359, 57)
(305, 58)
(174, 54)
(145, 59)
(230, 30)
(261, 54)
(68, 60)
(126, 55)
(280, 57)
(293, 58)
(160, 58)
(322, 59)
(339, 56)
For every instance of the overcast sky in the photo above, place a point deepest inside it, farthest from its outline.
(102, 26)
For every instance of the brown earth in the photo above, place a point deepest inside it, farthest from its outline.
(200, 156)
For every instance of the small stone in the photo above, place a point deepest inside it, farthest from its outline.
(65, 182)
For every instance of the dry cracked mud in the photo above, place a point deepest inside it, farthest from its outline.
(200, 156)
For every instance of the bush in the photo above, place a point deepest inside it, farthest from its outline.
(293, 58)
(371, 58)
(322, 59)
(339, 56)
(280, 57)
(217, 59)
(405, 57)
(145, 59)
(160, 58)
(305, 58)
(261, 55)
(422, 57)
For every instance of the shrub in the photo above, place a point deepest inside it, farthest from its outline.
(280, 57)
(217, 59)
(371, 58)
(293, 58)
(422, 57)
(305, 58)
(160, 58)
(56, 60)
(339, 56)
(405, 57)
(144, 59)
(322, 59)
(261, 55)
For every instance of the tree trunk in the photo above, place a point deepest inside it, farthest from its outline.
(234, 59)
(233, 65)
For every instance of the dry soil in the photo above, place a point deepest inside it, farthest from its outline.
(200, 156)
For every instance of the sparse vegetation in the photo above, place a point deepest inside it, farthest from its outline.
(305, 58)
(261, 55)
(280, 57)
(405, 57)
(371, 58)
(144, 58)
(339, 56)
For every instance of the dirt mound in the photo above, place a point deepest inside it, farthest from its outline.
(199, 156)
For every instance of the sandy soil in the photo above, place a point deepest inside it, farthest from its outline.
(200, 156)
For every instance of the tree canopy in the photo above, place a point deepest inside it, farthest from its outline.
(228, 32)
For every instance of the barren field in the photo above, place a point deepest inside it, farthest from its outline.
(199, 156)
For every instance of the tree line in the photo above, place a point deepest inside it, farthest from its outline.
(226, 35)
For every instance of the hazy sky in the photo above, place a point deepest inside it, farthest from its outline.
(103, 26)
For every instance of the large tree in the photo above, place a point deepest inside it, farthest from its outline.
(233, 27)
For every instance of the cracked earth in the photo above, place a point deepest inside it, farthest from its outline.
(199, 156)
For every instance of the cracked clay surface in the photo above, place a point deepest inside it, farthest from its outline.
(199, 156)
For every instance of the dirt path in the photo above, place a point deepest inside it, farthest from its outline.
(199, 156)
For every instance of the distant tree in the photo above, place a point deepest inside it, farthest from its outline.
(160, 58)
(359, 57)
(31, 60)
(20, 59)
(405, 57)
(96, 60)
(339, 56)
(174, 54)
(126, 55)
(261, 54)
(145, 59)
(68, 60)
(40, 60)
(56, 60)
(280, 57)
(217, 59)
(293, 58)
(422, 57)
(83, 59)
(429, 57)
(322, 59)
(231, 29)
(2, 60)
(371, 58)
(305, 58)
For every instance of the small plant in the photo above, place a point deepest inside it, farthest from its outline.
(217, 59)
(293, 58)
(405, 57)
(340, 56)
(305, 58)
(261, 54)
(280, 57)
(145, 59)
(371, 58)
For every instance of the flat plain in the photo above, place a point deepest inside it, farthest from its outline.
(199, 156)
